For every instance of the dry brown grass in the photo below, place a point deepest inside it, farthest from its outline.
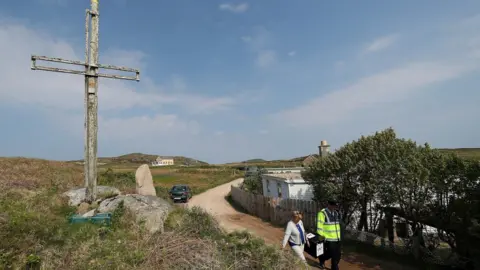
(34, 227)
(31, 174)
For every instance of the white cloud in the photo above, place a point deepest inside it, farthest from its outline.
(292, 53)
(260, 39)
(120, 57)
(266, 58)
(178, 83)
(240, 8)
(132, 116)
(259, 44)
(381, 43)
(66, 92)
(394, 85)
(391, 85)
(159, 125)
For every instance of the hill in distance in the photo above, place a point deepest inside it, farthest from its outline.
(470, 153)
(255, 160)
(138, 158)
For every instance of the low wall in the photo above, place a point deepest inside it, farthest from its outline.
(275, 210)
(279, 211)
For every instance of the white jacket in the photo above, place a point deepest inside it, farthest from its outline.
(293, 235)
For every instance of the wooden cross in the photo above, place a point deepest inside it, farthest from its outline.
(91, 88)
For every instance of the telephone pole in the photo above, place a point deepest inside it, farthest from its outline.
(91, 89)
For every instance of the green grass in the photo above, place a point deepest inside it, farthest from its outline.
(470, 153)
(199, 179)
(139, 158)
(166, 179)
(34, 230)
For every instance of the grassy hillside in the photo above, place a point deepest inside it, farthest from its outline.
(34, 231)
(139, 158)
(255, 160)
(470, 153)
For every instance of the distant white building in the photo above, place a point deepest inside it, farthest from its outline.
(286, 186)
(163, 161)
(283, 170)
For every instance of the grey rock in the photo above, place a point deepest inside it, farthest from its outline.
(144, 180)
(153, 211)
(77, 196)
(83, 208)
(90, 213)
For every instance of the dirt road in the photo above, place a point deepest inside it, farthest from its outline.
(213, 201)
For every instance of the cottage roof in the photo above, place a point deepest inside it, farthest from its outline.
(309, 160)
(286, 176)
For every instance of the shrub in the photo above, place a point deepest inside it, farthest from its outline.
(34, 231)
(253, 182)
(428, 186)
(118, 179)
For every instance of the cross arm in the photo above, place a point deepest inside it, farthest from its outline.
(36, 58)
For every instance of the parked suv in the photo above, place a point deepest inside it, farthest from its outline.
(180, 193)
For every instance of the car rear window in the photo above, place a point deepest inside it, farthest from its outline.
(179, 188)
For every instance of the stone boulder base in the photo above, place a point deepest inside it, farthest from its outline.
(144, 180)
(150, 209)
(77, 196)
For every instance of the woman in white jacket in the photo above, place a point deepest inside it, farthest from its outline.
(295, 235)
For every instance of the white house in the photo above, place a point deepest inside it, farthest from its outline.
(284, 170)
(163, 161)
(286, 186)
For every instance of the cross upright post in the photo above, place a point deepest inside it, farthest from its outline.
(91, 89)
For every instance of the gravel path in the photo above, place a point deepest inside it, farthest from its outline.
(214, 202)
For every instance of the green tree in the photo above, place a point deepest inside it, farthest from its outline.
(426, 185)
(253, 182)
(355, 175)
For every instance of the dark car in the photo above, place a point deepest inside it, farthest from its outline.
(180, 193)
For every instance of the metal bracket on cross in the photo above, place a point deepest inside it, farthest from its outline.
(36, 58)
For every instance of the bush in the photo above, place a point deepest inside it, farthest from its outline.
(112, 178)
(253, 182)
(162, 192)
(34, 231)
(239, 249)
(428, 186)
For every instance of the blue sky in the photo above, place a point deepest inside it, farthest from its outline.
(228, 81)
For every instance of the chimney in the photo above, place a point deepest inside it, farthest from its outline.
(323, 149)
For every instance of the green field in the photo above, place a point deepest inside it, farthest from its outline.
(470, 153)
(35, 233)
(198, 178)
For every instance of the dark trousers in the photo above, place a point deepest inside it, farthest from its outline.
(331, 250)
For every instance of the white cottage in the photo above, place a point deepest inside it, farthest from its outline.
(283, 170)
(286, 186)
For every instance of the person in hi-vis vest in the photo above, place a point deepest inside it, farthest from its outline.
(328, 229)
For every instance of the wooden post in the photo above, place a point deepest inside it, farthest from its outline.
(91, 90)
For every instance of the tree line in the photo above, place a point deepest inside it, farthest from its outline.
(424, 185)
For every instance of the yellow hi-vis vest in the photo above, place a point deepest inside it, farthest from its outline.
(328, 225)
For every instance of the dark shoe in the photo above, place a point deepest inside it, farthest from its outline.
(322, 266)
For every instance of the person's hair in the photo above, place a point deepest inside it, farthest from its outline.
(296, 214)
(332, 203)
